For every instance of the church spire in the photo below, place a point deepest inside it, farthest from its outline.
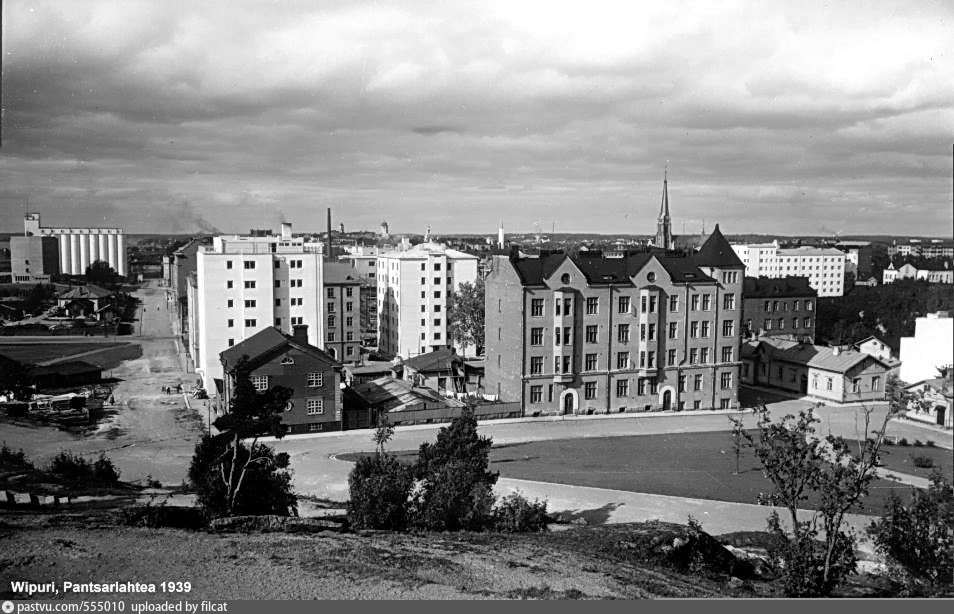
(664, 223)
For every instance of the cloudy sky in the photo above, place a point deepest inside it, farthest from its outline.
(167, 116)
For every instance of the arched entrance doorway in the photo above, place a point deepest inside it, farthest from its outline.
(667, 400)
(569, 401)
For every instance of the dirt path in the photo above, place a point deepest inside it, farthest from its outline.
(150, 433)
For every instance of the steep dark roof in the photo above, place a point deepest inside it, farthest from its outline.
(716, 252)
(601, 270)
(341, 273)
(438, 360)
(265, 342)
(783, 287)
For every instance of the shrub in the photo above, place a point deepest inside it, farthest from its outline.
(380, 487)
(917, 443)
(918, 538)
(903, 441)
(266, 488)
(71, 467)
(157, 516)
(802, 559)
(922, 462)
(516, 514)
(456, 489)
(104, 470)
(14, 460)
(930, 443)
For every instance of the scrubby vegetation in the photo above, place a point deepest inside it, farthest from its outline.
(76, 470)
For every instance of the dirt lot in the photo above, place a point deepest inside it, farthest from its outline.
(575, 563)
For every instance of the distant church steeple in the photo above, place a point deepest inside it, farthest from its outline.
(663, 223)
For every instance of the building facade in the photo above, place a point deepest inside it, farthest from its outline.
(80, 247)
(34, 259)
(857, 257)
(931, 347)
(640, 332)
(824, 267)
(342, 312)
(909, 271)
(413, 291)
(244, 284)
(933, 248)
(782, 307)
(829, 373)
(277, 359)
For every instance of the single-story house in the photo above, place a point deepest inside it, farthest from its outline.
(875, 347)
(933, 400)
(841, 375)
(369, 370)
(88, 300)
(66, 374)
(403, 402)
(441, 370)
(276, 359)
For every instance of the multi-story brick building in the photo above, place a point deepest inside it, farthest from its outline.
(413, 290)
(244, 284)
(342, 311)
(588, 333)
(783, 307)
(277, 359)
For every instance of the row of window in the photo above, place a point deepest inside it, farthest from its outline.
(330, 291)
(647, 332)
(332, 320)
(644, 386)
(315, 379)
(250, 264)
(779, 324)
(783, 305)
(647, 360)
(250, 284)
(349, 306)
(647, 304)
(332, 336)
(251, 303)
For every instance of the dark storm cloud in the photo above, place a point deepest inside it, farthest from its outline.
(186, 116)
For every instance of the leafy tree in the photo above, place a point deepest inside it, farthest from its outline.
(37, 298)
(99, 272)
(802, 466)
(465, 315)
(223, 465)
(266, 488)
(918, 538)
(456, 489)
(383, 433)
(15, 378)
(738, 440)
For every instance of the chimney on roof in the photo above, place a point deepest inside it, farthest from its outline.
(300, 333)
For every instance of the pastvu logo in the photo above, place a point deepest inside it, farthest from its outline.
(7, 607)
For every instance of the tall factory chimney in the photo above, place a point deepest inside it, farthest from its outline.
(328, 243)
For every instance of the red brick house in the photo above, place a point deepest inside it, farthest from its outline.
(277, 359)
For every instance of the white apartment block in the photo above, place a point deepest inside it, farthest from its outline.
(823, 266)
(413, 289)
(245, 284)
(81, 247)
(932, 346)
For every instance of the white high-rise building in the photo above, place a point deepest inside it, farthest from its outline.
(823, 266)
(247, 283)
(932, 346)
(80, 247)
(413, 290)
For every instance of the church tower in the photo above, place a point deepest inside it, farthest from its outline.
(663, 223)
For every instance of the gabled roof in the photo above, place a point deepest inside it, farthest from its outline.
(820, 356)
(436, 361)
(89, 291)
(598, 269)
(390, 394)
(264, 343)
(341, 273)
(717, 252)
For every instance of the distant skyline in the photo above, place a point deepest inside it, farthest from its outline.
(774, 118)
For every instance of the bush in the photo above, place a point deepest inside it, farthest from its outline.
(903, 441)
(923, 462)
(157, 516)
(266, 488)
(516, 514)
(14, 460)
(380, 487)
(918, 538)
(71, 467)
(930, 443)
(456, 489)
(917, 443)
(801, 559)
(104, 470)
